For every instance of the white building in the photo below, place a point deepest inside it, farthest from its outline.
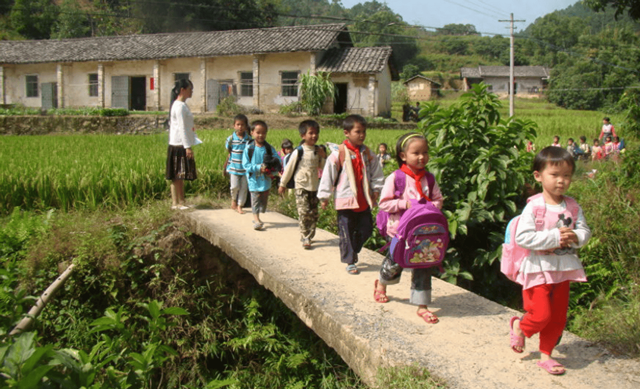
(260, 67)
(528, 80)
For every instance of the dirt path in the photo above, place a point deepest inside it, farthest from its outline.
(469, 348)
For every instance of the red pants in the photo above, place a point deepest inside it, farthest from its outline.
(546, 307)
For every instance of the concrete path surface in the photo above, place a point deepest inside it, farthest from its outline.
(469, 348)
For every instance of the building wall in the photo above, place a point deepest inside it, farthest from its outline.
(419, 89)
(384, 92)
(76, 88)
(16, 84)
(524, 85)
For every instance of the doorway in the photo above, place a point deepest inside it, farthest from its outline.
(340, 98)
(139, 93)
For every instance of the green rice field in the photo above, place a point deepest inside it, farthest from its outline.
(94, 171)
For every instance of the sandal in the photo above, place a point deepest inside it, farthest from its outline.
(515, 340)
(429, 317)
(549, 365)
(352, 269)
(378, 295)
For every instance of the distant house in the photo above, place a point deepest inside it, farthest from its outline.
(259, 67)
(421, 88)
(528, 80)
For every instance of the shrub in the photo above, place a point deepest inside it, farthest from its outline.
(315, 90)
(481, 167)
(229, 107)
(292, 109)
(114, 112)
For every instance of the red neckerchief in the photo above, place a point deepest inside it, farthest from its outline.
(417, 177)
(358, 168)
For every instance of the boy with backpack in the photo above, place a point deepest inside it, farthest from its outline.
(354, 177)
(261, 162)
(301, 173)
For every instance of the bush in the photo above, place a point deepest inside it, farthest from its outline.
(481, 166)
(293, 109)
(229, 107)
(114, 112)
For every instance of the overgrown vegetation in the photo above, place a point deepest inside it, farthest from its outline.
(148, 306)
(315, 90)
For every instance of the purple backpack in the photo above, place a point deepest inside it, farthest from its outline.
(422, 237)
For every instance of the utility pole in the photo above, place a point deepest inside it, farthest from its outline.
(511, 64)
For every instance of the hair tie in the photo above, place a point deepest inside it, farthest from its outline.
(407, 138)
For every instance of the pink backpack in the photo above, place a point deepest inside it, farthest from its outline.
(422, 237)
(512, 254)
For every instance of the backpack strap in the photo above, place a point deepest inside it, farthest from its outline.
(399, 182)
(341, 156)
(572, 206)
(538, 211)
(431, 182)
(230, 143)
(252, 148)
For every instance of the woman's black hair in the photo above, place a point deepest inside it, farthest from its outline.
(552, 155)
(403, 144)
(242, 118)
(182, 83)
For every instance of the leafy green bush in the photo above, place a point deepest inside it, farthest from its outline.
(480, 165)
(315, 90)
(19, 110)
(86, 111)
(292, 109)
(229, 107)
(114, 112)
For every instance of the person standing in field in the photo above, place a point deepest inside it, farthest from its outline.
(235, 145)
(302, 168)
(181, 164)
(552, 226)
(607, 129)
(354, 176)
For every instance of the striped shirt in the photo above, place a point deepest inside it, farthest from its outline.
(236, 145)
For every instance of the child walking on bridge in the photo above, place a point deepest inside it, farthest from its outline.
(551, 226)
(302, 168)
(412, 154)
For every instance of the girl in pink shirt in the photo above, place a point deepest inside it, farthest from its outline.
(412, 154)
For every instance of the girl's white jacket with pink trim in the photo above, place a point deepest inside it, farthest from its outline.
(345, 194)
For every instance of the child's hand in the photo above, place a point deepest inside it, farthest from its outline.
(281, 190)
(263, 168)
(324, 204)
(567, 237)
(375, 198)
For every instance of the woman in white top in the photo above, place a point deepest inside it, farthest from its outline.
(180, 162)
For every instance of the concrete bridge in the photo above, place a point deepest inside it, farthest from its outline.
(469, 348)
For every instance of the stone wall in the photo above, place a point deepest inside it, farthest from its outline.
(144, 124)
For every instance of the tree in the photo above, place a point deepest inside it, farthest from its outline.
(457, 29)
(632, 7)
(72, 22)
(33, 19)
(409, 71)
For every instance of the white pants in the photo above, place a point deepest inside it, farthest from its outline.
(239, 188)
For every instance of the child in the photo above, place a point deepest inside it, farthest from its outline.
(596, 151)
(584, 146)
(556, 141)
(286, 147)
(235, 145)
(607, 129)
(412, 154)
(383, 156)
(608, 147)
(552, 264)
(354, 176)
(303, 169)
(571, 148)
(531, 148)
(259, 179)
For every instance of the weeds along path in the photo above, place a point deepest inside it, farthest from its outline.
(469, 348)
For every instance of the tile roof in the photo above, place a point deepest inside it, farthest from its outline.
(357, 60)
(177, 45)
(503, 71)
(424, 78)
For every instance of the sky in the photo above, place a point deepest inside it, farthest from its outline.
(483, 14)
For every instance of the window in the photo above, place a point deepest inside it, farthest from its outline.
(181, 76)
(289, 83)
(32, 86)
(246, 84)
(93, 84)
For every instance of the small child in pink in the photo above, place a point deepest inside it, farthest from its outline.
(552, 264)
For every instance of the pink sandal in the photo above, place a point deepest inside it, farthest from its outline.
(516, 341)
(429, 317)
(549, 365)
(378, 295)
